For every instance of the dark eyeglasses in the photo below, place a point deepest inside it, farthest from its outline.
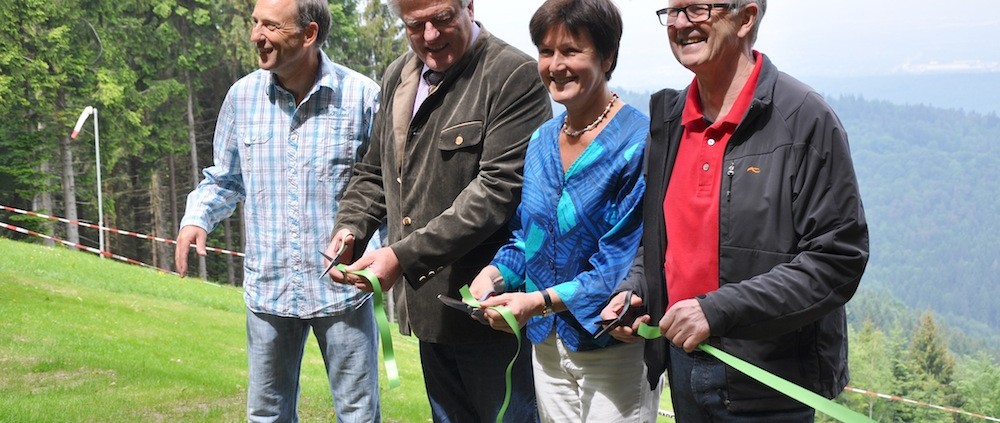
(694, 13)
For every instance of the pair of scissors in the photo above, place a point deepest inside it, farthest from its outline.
(475, 312)
(625, 317)
(334, 261)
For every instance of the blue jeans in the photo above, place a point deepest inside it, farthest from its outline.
(698, 392)
(465, 382)
(349, 345)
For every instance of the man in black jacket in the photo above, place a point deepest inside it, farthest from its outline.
(755, 236)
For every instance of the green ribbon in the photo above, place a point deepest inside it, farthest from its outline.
(388, 357)
(794, 391)
(512, 322)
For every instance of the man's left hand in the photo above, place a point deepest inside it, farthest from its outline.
(685, 324)
(383, 263)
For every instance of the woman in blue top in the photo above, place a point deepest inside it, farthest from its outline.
(578, 226)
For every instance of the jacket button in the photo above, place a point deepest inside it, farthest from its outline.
(407, 221)
(459, 140)
(431, 273)
(422, 278)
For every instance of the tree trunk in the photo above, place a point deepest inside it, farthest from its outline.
(69, 189)
(228, 239)
(43, 203)
(193, 142)
(161, 253)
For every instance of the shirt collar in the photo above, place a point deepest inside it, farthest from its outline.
(325, 78)
(694, 113)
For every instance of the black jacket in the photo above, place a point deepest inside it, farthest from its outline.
(793, 241)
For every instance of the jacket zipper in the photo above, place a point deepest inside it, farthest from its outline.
(730, 173)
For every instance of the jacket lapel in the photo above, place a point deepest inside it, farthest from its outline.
(402, 104)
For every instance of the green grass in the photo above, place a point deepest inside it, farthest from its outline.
(84, 339)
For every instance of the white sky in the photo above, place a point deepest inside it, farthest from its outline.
(821, 38)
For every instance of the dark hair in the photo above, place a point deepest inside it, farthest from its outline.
(315, 11)
(600, 19)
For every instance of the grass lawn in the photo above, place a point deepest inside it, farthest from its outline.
(84, 339)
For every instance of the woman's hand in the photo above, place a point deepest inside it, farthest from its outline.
(522, 305)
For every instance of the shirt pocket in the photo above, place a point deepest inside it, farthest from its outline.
(336, 146)
(257, 159)
(255, 140)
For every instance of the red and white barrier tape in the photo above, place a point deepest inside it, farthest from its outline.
(113, 230)
(922, 404)
(82, 247)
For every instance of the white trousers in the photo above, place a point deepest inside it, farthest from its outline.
(603, 385)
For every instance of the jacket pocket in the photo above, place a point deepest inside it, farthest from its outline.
(462, 135)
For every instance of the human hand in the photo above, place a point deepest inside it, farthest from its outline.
(685, 324)
(483, 283)
(627, 331)
(523, 305)
(188, 234)
(341, 248)
(382, 262)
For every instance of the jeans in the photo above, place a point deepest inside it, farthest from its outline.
(349, 346)
(465, 382)
(698, 392)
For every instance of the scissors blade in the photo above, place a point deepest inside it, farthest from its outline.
(614, 323)
(617, 321)
(458, 305)
(333, 261)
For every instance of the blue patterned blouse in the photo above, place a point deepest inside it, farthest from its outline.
(577, 232)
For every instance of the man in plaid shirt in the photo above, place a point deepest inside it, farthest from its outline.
(286, 140)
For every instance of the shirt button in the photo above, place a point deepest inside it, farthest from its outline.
(399, 180)
(459, 140)
(711, 141)
(705, 167)
(407, 221)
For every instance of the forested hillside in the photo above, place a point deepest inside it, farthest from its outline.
(929, 185)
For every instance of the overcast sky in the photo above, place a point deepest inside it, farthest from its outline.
(822, 38)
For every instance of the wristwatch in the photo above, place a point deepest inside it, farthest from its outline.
(548, 303)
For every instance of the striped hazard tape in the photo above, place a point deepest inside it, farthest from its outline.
(920, 403)
(112, 230)
(81, 247)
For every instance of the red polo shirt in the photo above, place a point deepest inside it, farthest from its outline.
(691, 206)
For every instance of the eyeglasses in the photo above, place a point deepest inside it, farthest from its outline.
(694, 13)
(442, 20)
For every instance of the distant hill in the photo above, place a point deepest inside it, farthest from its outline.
(929, 183)
(975, 92)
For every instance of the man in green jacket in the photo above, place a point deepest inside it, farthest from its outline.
(444, 170)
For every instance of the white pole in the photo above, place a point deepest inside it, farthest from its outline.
(97, 153)
(100, 201)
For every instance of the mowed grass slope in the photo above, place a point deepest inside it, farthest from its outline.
(84, 339)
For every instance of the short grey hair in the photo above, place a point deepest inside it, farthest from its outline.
(315, 11)
(397, 10)
(762, 6)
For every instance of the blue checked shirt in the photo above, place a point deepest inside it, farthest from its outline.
(290, 165)
(577, 231)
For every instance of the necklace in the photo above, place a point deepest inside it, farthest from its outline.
(567, 131)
